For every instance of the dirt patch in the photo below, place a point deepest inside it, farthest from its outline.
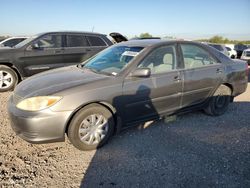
(195, 150)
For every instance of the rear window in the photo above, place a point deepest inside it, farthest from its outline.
(76, 41)
(96, 41)
(218, 47)
(247, 53)
(13, 42)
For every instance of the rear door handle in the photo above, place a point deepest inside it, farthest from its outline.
(219, 71)
(58, 51)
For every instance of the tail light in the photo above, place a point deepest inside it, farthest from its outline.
(247, 70)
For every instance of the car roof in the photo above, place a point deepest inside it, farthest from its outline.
(70, 32)
(247, 50)
(151, 42)
(18, 37)
(143, 43)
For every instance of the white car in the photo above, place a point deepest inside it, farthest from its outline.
(231, 51)
(12, 41)
(246, 55)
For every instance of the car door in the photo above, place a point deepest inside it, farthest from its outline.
(79, 47)
(202, 74)
(97, 43)
(43, 54)
(160, 93)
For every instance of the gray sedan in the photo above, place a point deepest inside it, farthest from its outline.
(124, 85)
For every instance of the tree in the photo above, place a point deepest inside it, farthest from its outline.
(218, 39)
(221, 40)
(145, 35)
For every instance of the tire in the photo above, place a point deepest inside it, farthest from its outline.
(8, 78)
(85, 125)
(219, 102)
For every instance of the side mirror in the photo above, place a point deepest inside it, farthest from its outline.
(141, 72)
(35, 46)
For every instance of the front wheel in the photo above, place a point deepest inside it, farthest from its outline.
(91, 127)
(8, 78)
(219, 102)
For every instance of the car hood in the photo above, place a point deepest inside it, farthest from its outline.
(56, 80)
(6, 49)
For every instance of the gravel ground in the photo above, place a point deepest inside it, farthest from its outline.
(196, 150)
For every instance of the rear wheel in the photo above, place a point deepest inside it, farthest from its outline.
(219, 102)
(8, 78)
(91, 127)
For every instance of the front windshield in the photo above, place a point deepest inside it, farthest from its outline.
(112, 60)
(26, 41)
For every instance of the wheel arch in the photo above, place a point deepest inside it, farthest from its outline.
(230, 86)
(105, 104)
(10, 65)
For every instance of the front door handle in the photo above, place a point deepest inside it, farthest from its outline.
(177, 78)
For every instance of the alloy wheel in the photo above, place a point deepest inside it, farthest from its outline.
(93, 129)
(6, 79)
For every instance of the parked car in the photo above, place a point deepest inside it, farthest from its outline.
(232, 52)
(246, 55)
(239, 49)
(221, 47)
(126, 84)
(230, 49)
(12, 41)
(47, 51)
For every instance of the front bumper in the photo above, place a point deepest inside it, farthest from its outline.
(44, 126)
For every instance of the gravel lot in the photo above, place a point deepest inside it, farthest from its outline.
(196, 150)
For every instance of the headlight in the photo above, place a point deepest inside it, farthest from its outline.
(38, 103)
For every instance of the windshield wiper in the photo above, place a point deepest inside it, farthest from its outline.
(91, 69)
(106, 73)
(95, 71)
(79, 65)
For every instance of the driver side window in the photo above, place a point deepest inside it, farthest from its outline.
(49, 41)
(162, 59)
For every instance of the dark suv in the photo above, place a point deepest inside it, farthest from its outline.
(47, 51)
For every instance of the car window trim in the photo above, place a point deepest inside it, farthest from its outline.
(163, 45)
(195, 68)
(98, 37)
(66, 42)
(35, 40)
(200, 46)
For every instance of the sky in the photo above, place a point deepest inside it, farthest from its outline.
(189, 19)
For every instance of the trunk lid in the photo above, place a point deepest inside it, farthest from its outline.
(118, 37)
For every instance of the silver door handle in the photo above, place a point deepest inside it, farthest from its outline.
(219, 71)
(58, 51)
(177, 78)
